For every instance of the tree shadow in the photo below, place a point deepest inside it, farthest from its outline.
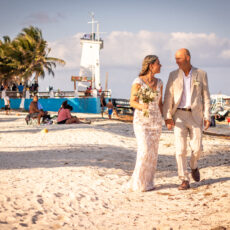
(214, 160)
(121, 129)
(62, 156)
(102, 156)
(105, 156)
(36, 129)
(209, 182)
(8, 119)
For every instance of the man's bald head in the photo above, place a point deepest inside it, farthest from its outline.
(183, 59)
(184, 51)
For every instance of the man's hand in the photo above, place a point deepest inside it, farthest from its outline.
(206, 124)
(169, 123)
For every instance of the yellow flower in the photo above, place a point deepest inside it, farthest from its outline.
(196, 83)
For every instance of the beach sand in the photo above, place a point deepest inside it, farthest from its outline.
(73, 177)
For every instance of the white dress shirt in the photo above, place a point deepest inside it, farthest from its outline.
(186, 95)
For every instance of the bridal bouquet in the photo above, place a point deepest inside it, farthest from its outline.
(146, 95)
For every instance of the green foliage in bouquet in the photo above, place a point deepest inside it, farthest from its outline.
(146, 95)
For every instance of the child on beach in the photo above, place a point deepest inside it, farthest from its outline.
(7, 104)
(110, 108)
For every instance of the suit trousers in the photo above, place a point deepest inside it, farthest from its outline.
(186, 126)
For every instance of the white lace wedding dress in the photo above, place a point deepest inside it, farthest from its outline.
(147, 131)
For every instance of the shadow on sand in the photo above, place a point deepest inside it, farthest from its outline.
(102, 156)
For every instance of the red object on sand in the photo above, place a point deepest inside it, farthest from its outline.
(228, 119)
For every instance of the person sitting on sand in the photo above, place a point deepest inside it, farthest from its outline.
(88, 92)
(65, 117)
(110, 108)
(34, 111)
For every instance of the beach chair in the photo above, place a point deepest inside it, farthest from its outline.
(31, 120)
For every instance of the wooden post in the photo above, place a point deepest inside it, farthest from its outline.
(75, 85)
(106, 81)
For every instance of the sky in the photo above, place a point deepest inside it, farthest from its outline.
(133, 29)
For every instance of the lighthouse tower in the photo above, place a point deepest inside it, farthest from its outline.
(90, 59)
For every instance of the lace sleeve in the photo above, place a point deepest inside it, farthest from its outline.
(137, 81)
(160, 83)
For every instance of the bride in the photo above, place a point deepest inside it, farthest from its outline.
(147, 129)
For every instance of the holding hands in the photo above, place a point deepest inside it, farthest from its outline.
(169, 124)
(206, 124)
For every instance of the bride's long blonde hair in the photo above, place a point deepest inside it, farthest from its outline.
(149, 59)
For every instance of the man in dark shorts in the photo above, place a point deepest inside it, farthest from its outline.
(103, 103)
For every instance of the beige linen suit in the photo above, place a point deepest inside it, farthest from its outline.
(186, 122)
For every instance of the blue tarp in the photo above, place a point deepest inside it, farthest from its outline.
(80, 105)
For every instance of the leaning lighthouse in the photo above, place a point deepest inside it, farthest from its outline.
(90, 57)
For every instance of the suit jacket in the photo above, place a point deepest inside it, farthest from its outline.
(200, 96)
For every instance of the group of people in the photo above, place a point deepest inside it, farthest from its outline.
(103, 104)
(5, 94)
(13, 87)
(64, 114)
(186, 110)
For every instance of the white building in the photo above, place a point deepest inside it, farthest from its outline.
(219, 99)
(90, 57)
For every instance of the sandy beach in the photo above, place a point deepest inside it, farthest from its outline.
(73, 177)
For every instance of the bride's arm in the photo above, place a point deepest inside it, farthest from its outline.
(160, 101)
(134, 102)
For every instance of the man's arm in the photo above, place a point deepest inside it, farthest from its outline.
(206, 102)
(160, 101)
(168, 103)
(168, 99)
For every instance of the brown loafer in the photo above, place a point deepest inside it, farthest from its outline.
(196, 174)
(184, 186)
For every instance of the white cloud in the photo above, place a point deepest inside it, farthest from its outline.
(206, 49)
(126, 49)
(69, 50)
(225, 54)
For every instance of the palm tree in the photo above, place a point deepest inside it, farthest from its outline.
(35, 51)
(26, 55)
(7, 69)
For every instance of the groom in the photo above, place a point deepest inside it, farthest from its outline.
(186, 106)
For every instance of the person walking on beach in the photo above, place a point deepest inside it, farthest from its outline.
(109, 105)
(7, 104)
(3, 94)
(147, 128)
(103, 103)
(186, 105)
